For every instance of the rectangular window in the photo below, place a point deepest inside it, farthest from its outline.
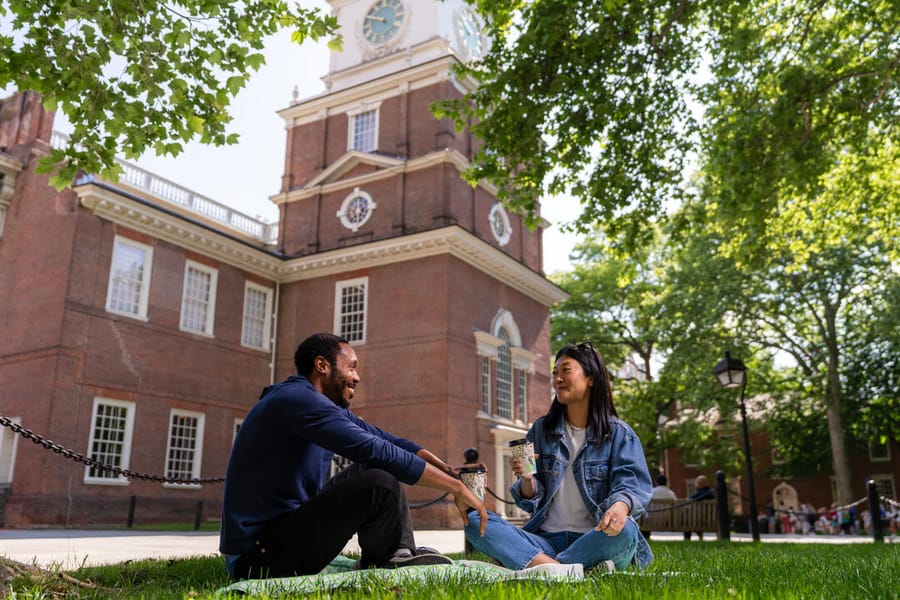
(350, 309)
(486, 384)
(184, 450)
(523, 396)
(112, 425)
(504, 385)
(879, 452)
(237, 427)
(198, 299)
(2, 214)
(257, 316)
(364, 131)
(129, 278)
(884, 485)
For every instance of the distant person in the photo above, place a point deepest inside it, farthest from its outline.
(702, 491)
(661, 490)
(591, 483)
(282, 516)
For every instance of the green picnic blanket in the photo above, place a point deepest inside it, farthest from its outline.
(341, 575)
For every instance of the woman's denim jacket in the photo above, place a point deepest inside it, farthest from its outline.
(606, 471)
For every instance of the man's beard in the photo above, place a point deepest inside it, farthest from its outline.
(338, 384)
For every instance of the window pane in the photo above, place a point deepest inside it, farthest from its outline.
(353, 312)
(195, 303)
(182, 446)
(108, 444)
(504, 377)
(126, 279)
(486, 384)
(255, 318)
(364, 131)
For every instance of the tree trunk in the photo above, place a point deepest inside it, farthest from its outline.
(840, 462)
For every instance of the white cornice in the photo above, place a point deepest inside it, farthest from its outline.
(348, 162)
(121, 209)
(317, 107)
(323, 183)
(9, 168)
(452, 240)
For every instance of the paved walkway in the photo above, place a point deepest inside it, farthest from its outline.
(71, 548)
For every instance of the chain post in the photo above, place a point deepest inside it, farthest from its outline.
(722, 516)
(875, 512)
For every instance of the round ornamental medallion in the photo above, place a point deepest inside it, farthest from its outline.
(356, 209)
(500, 225)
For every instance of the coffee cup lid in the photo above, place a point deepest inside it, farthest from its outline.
(472, 469)
(519, 442)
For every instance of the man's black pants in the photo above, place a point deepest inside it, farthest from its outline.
(368, 502)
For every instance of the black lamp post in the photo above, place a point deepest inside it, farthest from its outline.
(732, 373)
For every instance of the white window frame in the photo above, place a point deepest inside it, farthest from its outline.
(9, 443)
(197, 458)
(887, 451)
(354, 121)
(210, 316)
(3, 208)
(144, 291)
(486, 384)
(265, 344)
(237, 427)
(125, 459)
(340, 313)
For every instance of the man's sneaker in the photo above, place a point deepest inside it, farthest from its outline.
(404, 557)
(607, 566)
(555, 571)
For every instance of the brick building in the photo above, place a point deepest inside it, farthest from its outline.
(140, 320)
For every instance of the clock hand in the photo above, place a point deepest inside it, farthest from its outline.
(374, 18)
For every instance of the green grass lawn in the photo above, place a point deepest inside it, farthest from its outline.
(681, 571)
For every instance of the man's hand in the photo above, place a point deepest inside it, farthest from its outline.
(465, 501)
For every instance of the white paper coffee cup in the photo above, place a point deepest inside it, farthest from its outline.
(523, 450)
(473, 478)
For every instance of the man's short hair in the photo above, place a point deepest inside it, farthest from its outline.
(326, 345)
(661, 479)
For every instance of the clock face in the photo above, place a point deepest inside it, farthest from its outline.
(383, 20)
(468, 32)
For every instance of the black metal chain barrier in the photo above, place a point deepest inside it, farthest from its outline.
(428, 503)
(671, 506)
(491, 492)
(81, 458)
(799, 513)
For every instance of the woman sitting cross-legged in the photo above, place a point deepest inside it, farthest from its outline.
(591, 482)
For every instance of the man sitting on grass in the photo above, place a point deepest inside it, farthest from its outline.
(280, 517)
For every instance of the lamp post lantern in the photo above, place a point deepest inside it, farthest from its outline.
(732, 373)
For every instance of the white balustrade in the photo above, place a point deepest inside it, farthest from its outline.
(169, 191)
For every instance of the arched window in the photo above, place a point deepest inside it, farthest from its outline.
(504, 376)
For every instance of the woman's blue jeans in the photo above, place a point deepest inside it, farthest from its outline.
(515, 548)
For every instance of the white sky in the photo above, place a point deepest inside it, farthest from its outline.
(245, 175)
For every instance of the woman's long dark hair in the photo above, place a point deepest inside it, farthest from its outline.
(600, 406)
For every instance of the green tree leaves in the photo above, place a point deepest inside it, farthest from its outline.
(137, 76)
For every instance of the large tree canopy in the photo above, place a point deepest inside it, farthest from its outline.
(610, 100)
(137, 76)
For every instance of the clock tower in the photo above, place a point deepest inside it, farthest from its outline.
(438, 287)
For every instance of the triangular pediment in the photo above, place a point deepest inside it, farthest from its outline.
(353, 164)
